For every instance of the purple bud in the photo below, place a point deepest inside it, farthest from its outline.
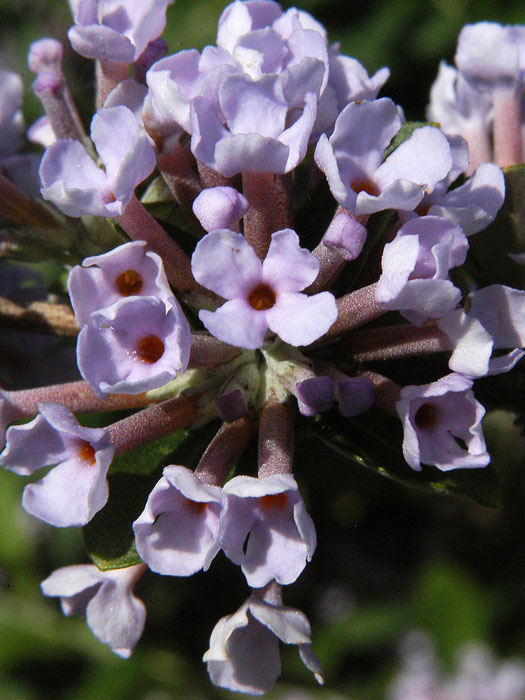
(346, 234)
(314, 395)
(220, 207)
(355, 395)
(45, 55)
(231, 406)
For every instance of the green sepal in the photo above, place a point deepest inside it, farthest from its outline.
(373, 441)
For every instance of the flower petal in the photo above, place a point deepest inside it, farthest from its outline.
(288, 267)
(236, 323)
(299, 319)
(226, 263)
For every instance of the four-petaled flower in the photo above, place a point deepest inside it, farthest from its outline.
(72, 180)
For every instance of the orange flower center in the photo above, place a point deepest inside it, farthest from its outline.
(86, 452)
(128, 283)
(274, 500)
(364, 185)
(196, 506)
(261, 297)
(149, 349)
(426, 416)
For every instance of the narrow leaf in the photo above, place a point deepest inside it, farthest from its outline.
(374, 442)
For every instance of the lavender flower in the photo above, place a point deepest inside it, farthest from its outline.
(134, 345)
(251, 102)
(493, 318)
(114, 614)
(74, 490)
(352, 159)
(462, 110)
(77, 186)
(415, 268)
(252, 105)
(434, 417)
(116, 30)
(261, 296)
(244, 647)
(102, 280)
(177, 534)
(264, 527)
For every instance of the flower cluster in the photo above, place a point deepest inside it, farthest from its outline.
(239, 318)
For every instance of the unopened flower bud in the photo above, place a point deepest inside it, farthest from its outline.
(45, 55)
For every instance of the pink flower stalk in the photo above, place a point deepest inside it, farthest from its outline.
(261, 295)
(74, 490)
(177, 533)
(490, 56)
(461, 109)
(113, 613)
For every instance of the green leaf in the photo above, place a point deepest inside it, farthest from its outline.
(374, 442)
(368, 628)
(98, 235)
(489, 248)
(109, 536)
(450, 605)
(406, 131)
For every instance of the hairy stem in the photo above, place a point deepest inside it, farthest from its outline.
(140, 225)
(507, 126)
(76, 396)
(276, 423)
(354, 310)
(224, 451)
(154, 422)
(260, 221)
(395, 342)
